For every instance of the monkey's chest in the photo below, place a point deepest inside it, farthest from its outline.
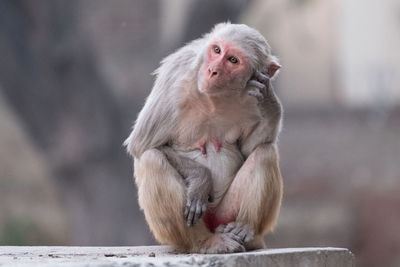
(225, 128)
(213, 142)
(224, 161)
(223, 165)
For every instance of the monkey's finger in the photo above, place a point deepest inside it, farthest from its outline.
(185, 212)
(187, 207)
(198, 210)
(190, 218)
(257, 84)
(261, 77)
(256, 94)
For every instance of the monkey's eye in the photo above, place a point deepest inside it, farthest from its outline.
(217, 49)
(233, 59)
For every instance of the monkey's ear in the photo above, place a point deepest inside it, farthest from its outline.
(273, 67)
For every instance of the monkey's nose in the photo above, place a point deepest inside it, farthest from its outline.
(212, 72)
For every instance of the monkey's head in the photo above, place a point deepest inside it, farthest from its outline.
(233, 52)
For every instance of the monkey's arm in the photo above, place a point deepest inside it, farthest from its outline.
(198, 183)
(268, 128)
(264, 188)
(157, 120)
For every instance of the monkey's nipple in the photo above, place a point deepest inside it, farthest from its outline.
(203, 149)
(217, 144)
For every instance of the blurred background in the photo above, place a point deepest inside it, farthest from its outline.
(74, 74)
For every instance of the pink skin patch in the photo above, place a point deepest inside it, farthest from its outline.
(212, 222)
(218, 68)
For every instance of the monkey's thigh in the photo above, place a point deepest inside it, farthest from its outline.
(255, 195)
(162, 196)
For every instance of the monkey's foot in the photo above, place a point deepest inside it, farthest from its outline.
(221, 243)
(237, 231)
(217, 144)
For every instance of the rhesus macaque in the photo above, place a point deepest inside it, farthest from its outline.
(205, 144)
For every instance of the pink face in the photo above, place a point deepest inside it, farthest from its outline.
(225, 67)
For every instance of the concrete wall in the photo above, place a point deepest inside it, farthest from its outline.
(164, 256)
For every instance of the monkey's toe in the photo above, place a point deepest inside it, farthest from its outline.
(237, 231)
(222, 243)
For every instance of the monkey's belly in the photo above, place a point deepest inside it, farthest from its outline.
(223, 166)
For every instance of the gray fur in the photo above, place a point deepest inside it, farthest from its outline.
(157, 120)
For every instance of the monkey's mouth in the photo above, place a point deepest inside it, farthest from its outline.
(213, 86)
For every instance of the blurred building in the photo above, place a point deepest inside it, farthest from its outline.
(30, 205)
(333, 52)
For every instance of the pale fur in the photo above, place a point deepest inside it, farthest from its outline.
(245, 174)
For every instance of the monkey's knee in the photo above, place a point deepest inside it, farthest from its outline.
(260, 203)
(274, 187)
(158, 183)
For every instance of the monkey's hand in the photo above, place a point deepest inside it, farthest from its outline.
(199, 187)
(258, 86)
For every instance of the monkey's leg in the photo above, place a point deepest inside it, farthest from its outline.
(162, 196)
(255, 195)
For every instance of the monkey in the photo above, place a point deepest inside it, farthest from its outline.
(204, 145)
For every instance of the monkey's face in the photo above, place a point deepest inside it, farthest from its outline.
(225, 67)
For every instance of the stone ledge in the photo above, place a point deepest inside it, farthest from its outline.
(164, 256)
